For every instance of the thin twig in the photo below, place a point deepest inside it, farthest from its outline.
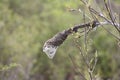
(95, 62)
(75, 66)
(76, 43)
(85, 60)
(119, 22)
(111, 33)
(111, 16)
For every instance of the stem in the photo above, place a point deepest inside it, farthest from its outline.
(111, 16)
(75, 66)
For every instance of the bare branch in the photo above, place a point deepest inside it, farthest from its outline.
(75, 66)
(111, 16)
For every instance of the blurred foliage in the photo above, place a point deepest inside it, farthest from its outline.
(24, 27)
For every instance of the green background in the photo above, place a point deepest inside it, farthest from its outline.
(26, 24)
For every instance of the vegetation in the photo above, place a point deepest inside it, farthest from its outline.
(26, 24)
